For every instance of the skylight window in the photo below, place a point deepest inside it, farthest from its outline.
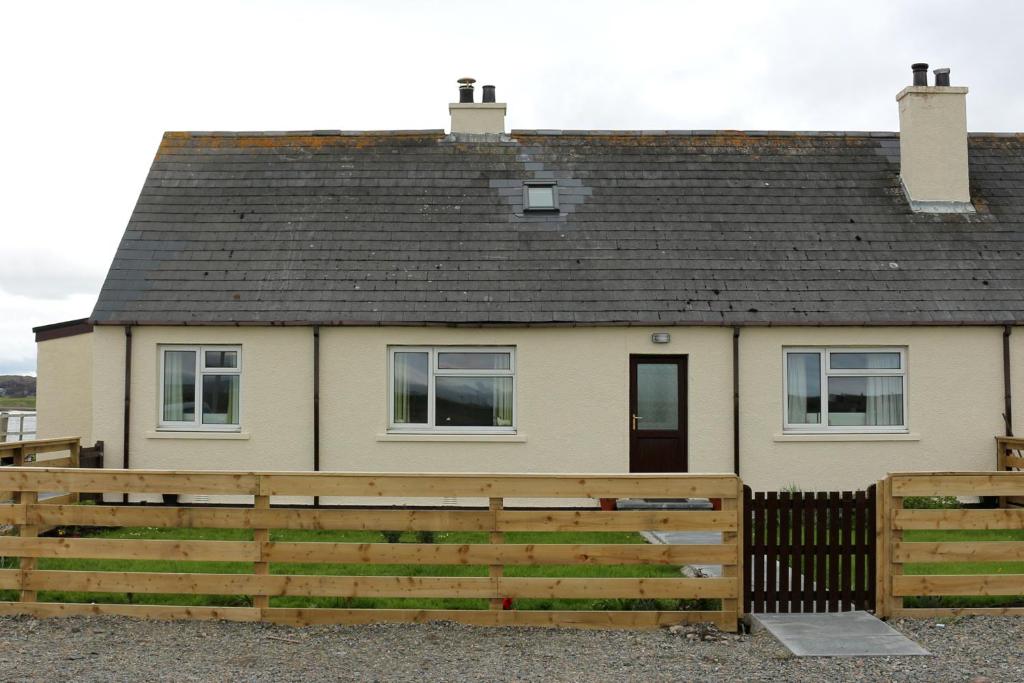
(540, 196)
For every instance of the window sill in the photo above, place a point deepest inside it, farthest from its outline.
(858, 436)
(174, 434)
(452, 438)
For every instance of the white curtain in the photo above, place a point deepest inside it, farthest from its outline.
(884, 401)
(803, 380)
(402, 393)
(503, 402)
(176, 363)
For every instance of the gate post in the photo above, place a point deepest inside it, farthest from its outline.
(882, 536)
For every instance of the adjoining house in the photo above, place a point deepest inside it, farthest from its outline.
(811, 309)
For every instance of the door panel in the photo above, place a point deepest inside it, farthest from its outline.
(657, 413)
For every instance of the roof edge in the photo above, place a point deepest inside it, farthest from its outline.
(635, 323)
(68, 328)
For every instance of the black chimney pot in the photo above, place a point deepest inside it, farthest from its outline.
(488, 93)
(466, 90)
(920, 73)
(941, 77)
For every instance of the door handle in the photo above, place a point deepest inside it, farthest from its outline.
(635, 418)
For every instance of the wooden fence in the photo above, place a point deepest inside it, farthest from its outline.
(894, 551)
(1010, 458)
(26, 454)
(263, 584)
(809, 551)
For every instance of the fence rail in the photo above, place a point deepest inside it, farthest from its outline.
(14, 425)
(263, 584)
(895, 551)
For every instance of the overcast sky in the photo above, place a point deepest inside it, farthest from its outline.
(89, 87)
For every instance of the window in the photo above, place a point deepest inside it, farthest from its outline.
(845, 390)
(200, 387)
(540, 196)
(450, 389)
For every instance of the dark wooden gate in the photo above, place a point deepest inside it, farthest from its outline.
(809, 551)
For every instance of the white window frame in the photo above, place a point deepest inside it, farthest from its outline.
(197, 425)
(825, 355)
(429, 427)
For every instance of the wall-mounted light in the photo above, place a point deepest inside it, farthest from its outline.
(661, 337)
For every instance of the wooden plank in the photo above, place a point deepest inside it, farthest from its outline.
(748, 547)
(619, 520)
(979, 584)
(785, 550)
(979, 551)
(63, 499)
(496, 570)
(273, 584)
(862, 536)
(895, 536)
(261, 538)
(33, 444)
(797, 558)
(958, 519)
(101, 548)
(483, 554)
(247, 518)
(823, 564)
(733, 572)
(771, 576)
(759, 552)
(10, 579)
(126, 481)
(846, 548)
(835, 588)
(989, 484)
(809, 550)
(881, 564)
(27, 499)
(594, 588)
(52, 462)
(163, 612)
(500, 485)
(1014, 461)
(540, 618)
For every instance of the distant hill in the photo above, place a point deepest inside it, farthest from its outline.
(17, 386)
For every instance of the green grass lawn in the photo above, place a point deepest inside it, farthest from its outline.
(931, 568)
(605, 571)
(10, 402)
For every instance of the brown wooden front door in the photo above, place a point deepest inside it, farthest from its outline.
(657, 413)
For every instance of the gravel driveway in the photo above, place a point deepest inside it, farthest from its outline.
(120, 649)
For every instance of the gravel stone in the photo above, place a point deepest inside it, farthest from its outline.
(122, 649)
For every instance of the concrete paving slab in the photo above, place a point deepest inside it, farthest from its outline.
(844, 634)
(688, 538)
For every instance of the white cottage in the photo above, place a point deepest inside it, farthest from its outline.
(808, 309)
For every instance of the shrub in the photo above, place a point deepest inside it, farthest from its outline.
(391, 536)
(424, 536)
(930, 503)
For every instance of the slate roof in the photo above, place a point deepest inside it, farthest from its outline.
(666, 228)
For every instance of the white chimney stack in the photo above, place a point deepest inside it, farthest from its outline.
(477, 118)
(933, 144)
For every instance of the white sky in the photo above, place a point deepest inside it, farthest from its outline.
(89, 87)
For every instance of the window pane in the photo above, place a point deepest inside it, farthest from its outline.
(865, 401)
(540, 197)
(221, 359)
(803, 384)
(411, 374)
(220, 399)
(889, 360)
(473, 401)
(657, 396)
(179, 386)
(455, 360)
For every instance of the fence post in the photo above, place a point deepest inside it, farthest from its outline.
(894, 505)
(26, 564)
(3, 427)
(496, 571)
(740, 553)
(732, 607)
(76, 462)
(261, 537)
(881, 551)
